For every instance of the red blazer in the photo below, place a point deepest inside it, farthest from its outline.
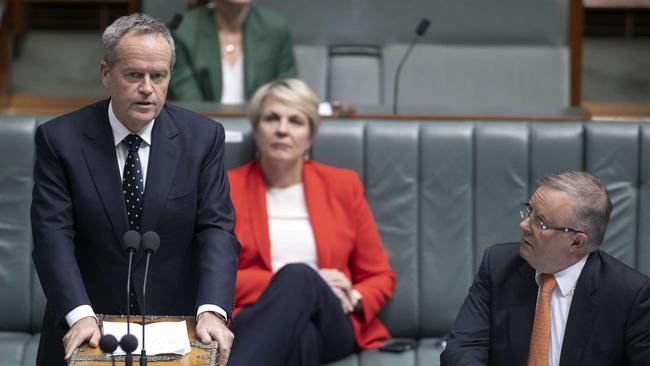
(346, 239)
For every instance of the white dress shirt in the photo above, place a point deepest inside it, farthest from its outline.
(290, 232)
(561, 298)
(232, 83)
(119, 133)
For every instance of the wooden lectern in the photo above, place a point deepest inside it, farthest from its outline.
(201, 354)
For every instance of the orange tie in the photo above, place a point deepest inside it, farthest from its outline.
(540, 340)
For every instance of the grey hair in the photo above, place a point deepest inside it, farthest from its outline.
(293, 92)
(139, 23)
(592, 207)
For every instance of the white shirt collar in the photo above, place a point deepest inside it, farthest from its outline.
(567, 278)
(120, 131)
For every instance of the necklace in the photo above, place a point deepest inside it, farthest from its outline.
(230, 42)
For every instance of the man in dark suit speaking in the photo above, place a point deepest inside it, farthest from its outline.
(555, 298)
(132, 163)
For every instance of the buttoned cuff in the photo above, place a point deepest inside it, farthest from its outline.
(79, 313)
(212, 308)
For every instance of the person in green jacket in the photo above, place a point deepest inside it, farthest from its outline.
(224, 52)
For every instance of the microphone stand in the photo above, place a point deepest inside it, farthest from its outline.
(108, 344)
(128, 359)
(128, 343)
(131, 242)
(128, 295)
(421, 29)
(143, 352)
(151, 243)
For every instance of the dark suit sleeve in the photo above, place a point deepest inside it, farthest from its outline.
(637, 337)
(53, 231)
(468, 342)
(218, 247)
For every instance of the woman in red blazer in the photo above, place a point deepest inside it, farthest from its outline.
(313, 274)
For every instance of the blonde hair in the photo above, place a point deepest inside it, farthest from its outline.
(292, 92)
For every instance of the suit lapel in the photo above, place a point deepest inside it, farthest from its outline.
(582, 314)
(163, 159)
(101, 160)
(256, 186)
(320, 214)
(317, 206)
(521, 312)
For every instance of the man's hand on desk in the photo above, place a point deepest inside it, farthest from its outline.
(85, 329)
(210, 327)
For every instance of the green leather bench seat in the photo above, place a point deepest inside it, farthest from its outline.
(21, 298)
(441, 192)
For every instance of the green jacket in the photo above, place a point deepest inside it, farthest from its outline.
(268, 54)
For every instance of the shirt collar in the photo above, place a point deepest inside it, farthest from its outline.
(120, 131)
(567, 278)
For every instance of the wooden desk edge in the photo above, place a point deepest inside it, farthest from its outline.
(201, 355)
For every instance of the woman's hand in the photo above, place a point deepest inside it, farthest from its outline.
(342, 288)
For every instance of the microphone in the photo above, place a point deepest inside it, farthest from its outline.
(150, 244)
(130, 243)
(419, 32)
(108, 344)
(128, 343)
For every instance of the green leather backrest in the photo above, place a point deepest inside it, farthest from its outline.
(452, 21)
(441, 192)
(618, 156)
(16, 274)
(446, 76)
(643, 220)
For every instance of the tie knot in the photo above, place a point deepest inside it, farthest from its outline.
(548, 283)
(133, 142)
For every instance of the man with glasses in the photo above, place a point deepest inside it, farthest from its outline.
(555, 298)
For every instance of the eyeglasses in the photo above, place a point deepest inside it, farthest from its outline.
(526, 211)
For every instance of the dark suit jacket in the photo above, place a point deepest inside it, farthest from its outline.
(608, 323)
(79, 216)
(268, 54)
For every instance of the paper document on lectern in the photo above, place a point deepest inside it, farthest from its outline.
(162, 337)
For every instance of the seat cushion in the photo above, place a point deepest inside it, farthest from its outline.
(12, 348)
(429, 350)
(352, 360)
(426, 354)
(29, 358)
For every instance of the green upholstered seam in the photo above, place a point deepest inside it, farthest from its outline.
(643, 243)
(16, 164)
(440, 191)
(613, 156)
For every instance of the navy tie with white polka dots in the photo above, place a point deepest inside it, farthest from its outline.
(132, 183)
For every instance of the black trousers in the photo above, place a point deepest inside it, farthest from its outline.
(296, 321)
